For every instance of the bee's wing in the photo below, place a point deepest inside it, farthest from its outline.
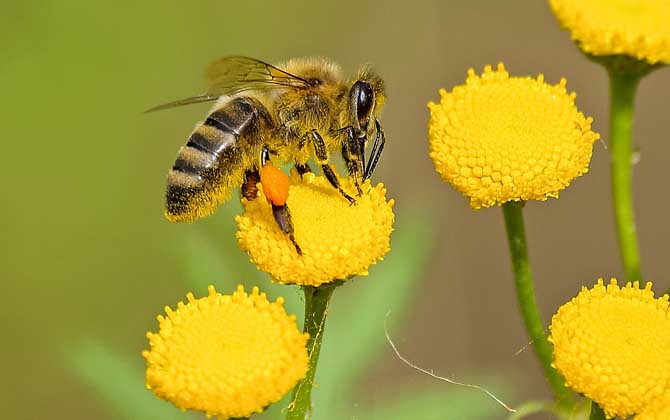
(235, 74)
(186, 101)
(231, 75)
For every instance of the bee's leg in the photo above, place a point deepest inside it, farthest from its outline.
(302, 168)
(361, 142)
(322, 159)
(281, 212)
(377, 148)
(354, 156)
(283, 218)
(249, 188)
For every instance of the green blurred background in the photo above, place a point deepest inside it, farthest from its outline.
(88, 261)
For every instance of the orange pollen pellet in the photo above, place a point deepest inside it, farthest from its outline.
(275, 184)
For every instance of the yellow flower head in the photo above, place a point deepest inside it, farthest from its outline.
(338, 240)
(227, 355)
(636, 28)
(612, 344)
(499, 138)
(659, 409)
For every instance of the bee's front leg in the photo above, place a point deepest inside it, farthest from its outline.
(322, 159)
(354, 156)
(377, 148)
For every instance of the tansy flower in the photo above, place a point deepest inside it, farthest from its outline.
(636, 28)
(500, 138)
(659, 409)
(338, 240)
(227, 355)
(612, 344)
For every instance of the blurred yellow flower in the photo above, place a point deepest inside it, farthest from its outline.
(226, 355)
(338, 240)
(636, 28)
(499, 138)
(659, 409)
(612, 344)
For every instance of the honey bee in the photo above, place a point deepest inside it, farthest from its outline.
(287, 113)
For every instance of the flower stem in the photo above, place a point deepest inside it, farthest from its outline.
(317, 300)
(516, 236)
(622, 90)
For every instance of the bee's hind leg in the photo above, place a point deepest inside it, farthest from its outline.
(281, 213)
(322, 158)
(282, 216)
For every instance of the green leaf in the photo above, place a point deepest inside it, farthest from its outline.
(354, 335)
(119, 383)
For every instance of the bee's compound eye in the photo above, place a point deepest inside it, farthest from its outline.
(364, 101)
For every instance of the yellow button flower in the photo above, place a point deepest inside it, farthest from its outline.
(658, 409)
(338, 240)
(636, 28)
(226, 355)
(499, 138)
(612, 344)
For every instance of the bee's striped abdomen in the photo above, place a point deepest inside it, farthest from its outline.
(212, 161)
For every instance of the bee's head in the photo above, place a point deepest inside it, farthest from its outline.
(366, 99)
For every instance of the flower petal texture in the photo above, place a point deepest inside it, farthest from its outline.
(636, 28)
(226, 355)
(612, 344)
(500, 138)
(338, 240)
(659, 409)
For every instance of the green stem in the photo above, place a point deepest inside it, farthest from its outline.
(597, 413)
(316, 311)
(622, 90)
(516, 236)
